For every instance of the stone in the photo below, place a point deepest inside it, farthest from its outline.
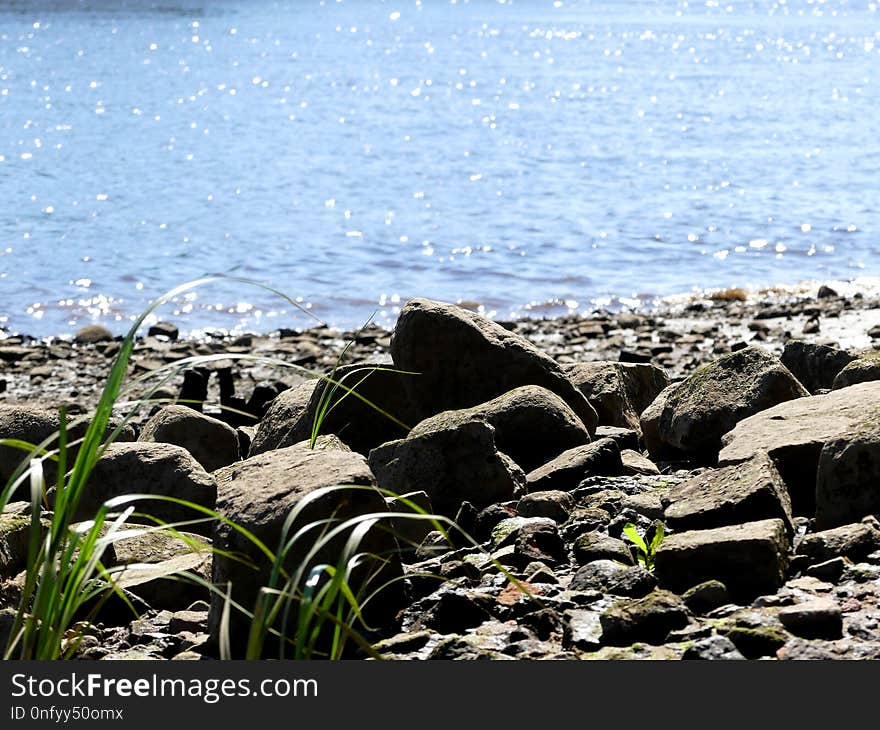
(618, 391)
(695, 415)
(749, 559)
(863, 369)
(164, 329)
(14, 538)
(92, 334)
(625, 438)
(648, 619)
(611, 576)
(794, 434)
(635, 464)
(148, 468)
(571, 467)
(540, 542)
(410, 529)
(258, 494)
(597, 546)
(582, 630)
(453, 613)
(848, 475)
(161, 585)
(650, 504)
(706, 597)
(758, 641)
(532, 425)
(855, 542)
(554, 504)
(451, 465)
(285, 422)
(815, 366)
(747, 492)
(464, 360)
(211, 442)
(817, 619)
(715, 647)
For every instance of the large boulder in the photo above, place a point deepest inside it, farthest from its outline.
(211, 442)
(848, 476)
(710, 402)
(464, 359)
(814, 365)
(571, 467)
(863, 369)
(731, 495)
(532, 425)
(794, 434)
(749, 559)
(285, 422)
(618, 391)
(34, 426)
(148, 468)
(258, 494)
(451, 465)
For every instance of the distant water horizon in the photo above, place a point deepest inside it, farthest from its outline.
(532, 157)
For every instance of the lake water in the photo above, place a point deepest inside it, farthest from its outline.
(532, 156)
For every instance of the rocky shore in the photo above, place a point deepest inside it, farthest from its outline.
(739, 439)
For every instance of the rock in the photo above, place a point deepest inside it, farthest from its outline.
(507, 530)
(648, 619)
(848, 475)
(34, 426)
(749, 559)
(148, 468)
(14, 534)
(650, 423)
(540, 542)
(829, 570)
(794, 433)
(285, 422)
(855, 542)
(826, 292)
(864, 369)
(464, 359)
(706, 597)
(759, 641)
(747, 492)
(817, 619)
(544, 623)
(571, 467)
(618, 391)
(596, 546)
(634, 463)
(625, 438)
(258, 495)
(91, 334)
(582, 630)
(610, 576)
(212, 443)
(159, 584)
(695, 415)
(411, 530)
(532, 425)
(713, 647)
(649, 504)
(453, 613)
(164, 329)
(451, 465)
(553, 504)
(815, 366)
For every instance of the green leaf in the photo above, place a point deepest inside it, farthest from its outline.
(629, 529)
(659, 535)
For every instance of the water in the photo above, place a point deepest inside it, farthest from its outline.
(532, 156)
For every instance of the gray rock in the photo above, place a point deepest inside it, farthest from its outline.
(571, 467)
(699, 411)
(259, 493)
(749, 559)
(848, 475)
(817, 619)
(285, 422)
(713, 648)
(649, 504)
(625, 438)
(451, 465)
(794, 433)
(706, 597)
(634, 464)
(648, 619)
(864, 369)
(618, 391)
(540, 542)
(814, 365)
(164, 585)
(212, 443)
(464, 359)
(582, 630)
(92, 334)
(855, 542)
(597, 546)
(149, 468)
(556, 505)
(532, 425)
(747, 492)
(610, 576)
(164, 329)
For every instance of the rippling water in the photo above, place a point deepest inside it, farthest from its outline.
(529, 155)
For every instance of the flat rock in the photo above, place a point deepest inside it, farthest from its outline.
(648, 619)
(855, 542)
(571, 467)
